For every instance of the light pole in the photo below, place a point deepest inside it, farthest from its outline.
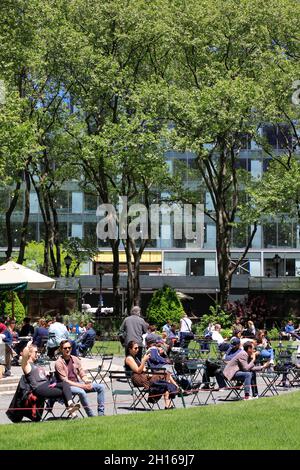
(276, 260)
(101, 272)
(68, 261)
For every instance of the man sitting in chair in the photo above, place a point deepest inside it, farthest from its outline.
(68, 369)
(87, 340)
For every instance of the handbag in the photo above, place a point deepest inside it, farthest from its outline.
(188, 335)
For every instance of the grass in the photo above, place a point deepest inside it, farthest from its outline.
(268, 423)
(110, 347)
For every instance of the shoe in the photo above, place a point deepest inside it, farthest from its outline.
(255, 397)
(8, 374)
(169, 408)
(73, 416)
(73, 408)
(248, 398)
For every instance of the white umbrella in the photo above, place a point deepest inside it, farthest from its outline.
(13, 273)
(183, 296)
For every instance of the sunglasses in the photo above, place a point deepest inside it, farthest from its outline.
(135, 348)
(67, 347)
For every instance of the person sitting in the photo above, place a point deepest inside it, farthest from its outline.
(87, 340)
(242, 367)
(291, 331)
(152, 334)
(264, 347)
(41, 385)
(27, 329)
(223, 345)
(40, 333)
(69, 369)
(140, 378)
(57, 332)
(250, 331)
(234, 349)
(167, 328)
(157, 359)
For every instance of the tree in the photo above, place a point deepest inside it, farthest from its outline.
(217, 94)
(164, 305)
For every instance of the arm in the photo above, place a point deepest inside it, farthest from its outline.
(130, 362)
(25, 364)
(62, 375)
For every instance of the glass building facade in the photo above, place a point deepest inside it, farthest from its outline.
(77, 218)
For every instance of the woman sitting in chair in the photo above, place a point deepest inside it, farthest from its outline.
(140, 378)
(40, 384)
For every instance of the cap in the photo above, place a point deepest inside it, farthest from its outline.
(235, 341)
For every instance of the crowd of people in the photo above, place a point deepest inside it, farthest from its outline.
(246, 351)
(46, 335)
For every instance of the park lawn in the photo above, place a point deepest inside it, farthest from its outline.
(110, 347)
(267, 423)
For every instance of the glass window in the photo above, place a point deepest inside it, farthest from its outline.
(90, 231)
(34, 203)
(3, 201)
(77, 203)
(77, 231)
(286, 235)
(270, 235)
(61, 201)
(90, 202)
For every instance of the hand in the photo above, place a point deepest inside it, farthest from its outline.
(87, 387)
(266, 365)
(146, 357)
(88, 381)
(52, 385)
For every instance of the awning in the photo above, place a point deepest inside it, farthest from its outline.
(13, 287)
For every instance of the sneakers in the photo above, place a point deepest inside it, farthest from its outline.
(250, 398)
(8, 374)
(72, 409)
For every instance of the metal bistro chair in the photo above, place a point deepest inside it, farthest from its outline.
(62, 413)
(102, 372)
(120, 377)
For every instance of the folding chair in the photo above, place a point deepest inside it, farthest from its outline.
(102, 372)
(126, 390)
(235, 388)
(295, 376)
(269, 379)
(49, 406)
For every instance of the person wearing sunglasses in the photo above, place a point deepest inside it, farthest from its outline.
(69, 370)
(40, 383)
(141, 378)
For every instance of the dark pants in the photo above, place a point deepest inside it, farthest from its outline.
(61, 390)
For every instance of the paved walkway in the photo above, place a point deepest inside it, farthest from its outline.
(123, 402)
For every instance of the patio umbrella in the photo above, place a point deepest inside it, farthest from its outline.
(183, 296)
(13, 275)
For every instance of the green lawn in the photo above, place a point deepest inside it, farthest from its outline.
(268, 423)
(110, 347)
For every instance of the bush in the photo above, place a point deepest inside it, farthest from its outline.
(76, 317)
(216, 316)
(12, 307)
(164, 306)
(273, 334)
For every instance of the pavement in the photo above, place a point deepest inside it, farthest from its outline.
(8, 386)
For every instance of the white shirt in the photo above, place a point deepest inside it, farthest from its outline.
(216, 336)
(185, 325)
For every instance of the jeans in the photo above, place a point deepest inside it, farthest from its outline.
(246, 377)
(99, 388)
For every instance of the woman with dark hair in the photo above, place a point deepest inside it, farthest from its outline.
(140, 378)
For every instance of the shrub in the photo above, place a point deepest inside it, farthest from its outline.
(216, 315)
(273, 334)
(164, 306)
(76, 317)
(12, 307)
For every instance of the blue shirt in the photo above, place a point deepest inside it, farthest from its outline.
(289, 328)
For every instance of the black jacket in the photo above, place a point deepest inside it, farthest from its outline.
(25, 404)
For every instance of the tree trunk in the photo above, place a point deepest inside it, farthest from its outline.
(130, 277)
(223, 242)
(24, 228)
(56, 238)
(8, 215)
(116, 276)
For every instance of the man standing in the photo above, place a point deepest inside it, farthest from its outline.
(68, 369)
(133, 328)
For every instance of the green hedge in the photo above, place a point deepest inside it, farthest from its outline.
(164, 306)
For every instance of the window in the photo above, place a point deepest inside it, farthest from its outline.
(77, 203)
(77, 231)
(90, 202)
